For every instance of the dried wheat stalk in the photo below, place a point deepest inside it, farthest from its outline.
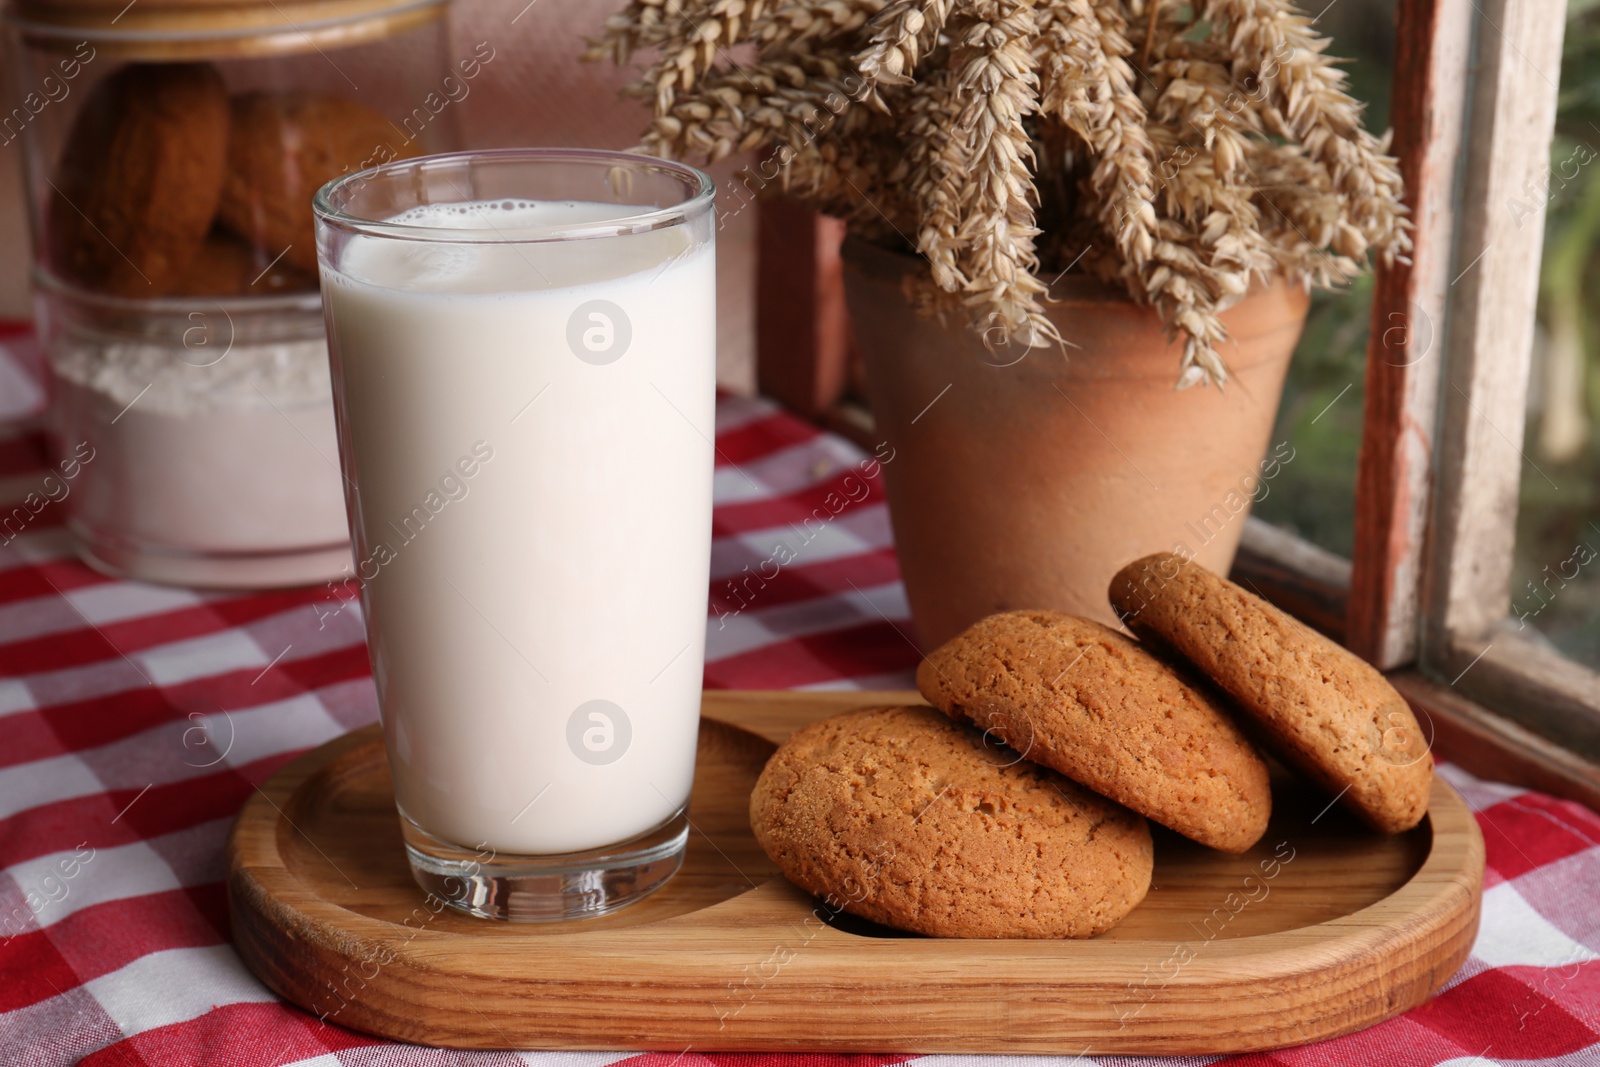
(997, 88)
(901, 32)
(1185, 152)
(1275, 44)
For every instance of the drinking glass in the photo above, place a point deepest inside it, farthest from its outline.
(523, 351)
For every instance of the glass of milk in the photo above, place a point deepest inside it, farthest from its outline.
(523, 351)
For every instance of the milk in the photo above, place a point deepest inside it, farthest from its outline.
(526, 434)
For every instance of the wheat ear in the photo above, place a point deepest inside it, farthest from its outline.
(1086, 84)
(899, 34)
(999, 86)
(1275, 46)
(1300, 211)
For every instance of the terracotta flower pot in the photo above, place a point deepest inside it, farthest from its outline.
(1029, 485)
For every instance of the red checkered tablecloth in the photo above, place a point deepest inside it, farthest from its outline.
(115, 800)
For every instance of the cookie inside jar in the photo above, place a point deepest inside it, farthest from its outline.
(171, 185)
(172, 154)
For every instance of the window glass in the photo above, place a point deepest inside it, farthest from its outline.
(1322, 401)
(1555, 584)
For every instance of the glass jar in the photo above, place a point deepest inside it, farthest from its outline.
(172, 150)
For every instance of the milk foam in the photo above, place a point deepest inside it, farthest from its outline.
(519, 250)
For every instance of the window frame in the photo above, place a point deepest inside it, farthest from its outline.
(1447, 376)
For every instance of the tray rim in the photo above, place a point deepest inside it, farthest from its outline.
(1446, 889)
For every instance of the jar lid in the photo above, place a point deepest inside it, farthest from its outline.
(166, 30)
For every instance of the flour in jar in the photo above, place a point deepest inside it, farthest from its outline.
(226, 450)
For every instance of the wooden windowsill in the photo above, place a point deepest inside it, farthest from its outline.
(1533, 684)
(1492, 746)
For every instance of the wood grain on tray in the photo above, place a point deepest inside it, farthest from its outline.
(1320, 929)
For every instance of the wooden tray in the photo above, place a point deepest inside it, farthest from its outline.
(1226, 954)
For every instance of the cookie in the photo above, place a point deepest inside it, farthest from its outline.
(226, 265)
(1325, 710)
(905, 818)
(140, 178)
(282, 148)
(1088, 702)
